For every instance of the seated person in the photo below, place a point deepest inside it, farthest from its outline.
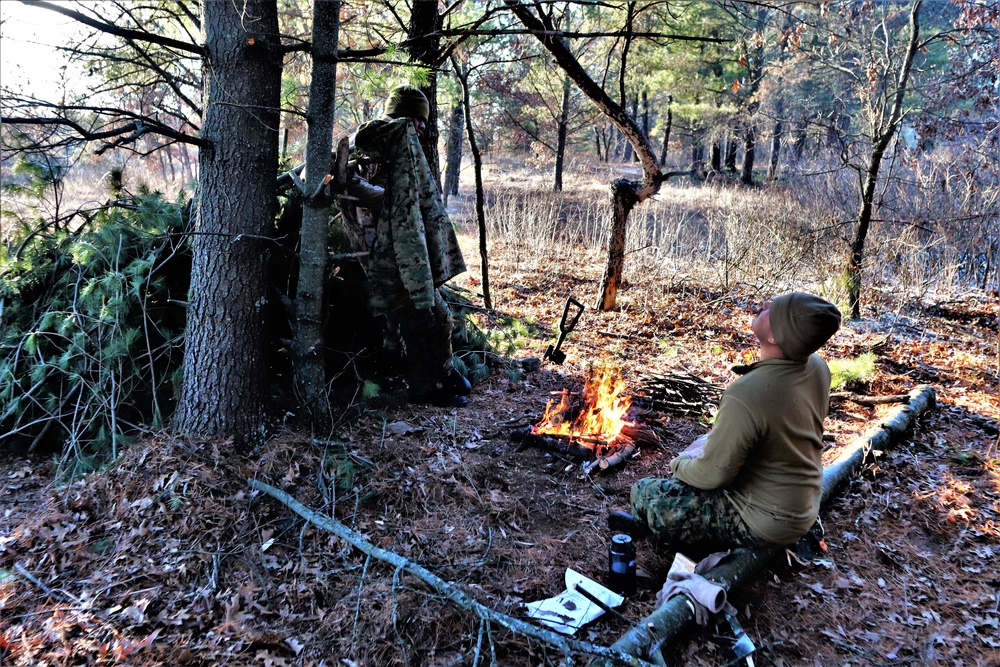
(756, 478)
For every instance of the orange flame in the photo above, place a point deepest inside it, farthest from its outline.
(603, 414)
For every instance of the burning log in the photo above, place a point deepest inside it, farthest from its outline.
(560, 444)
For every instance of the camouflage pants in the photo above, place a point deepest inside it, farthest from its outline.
(427, 338)
(677, 514)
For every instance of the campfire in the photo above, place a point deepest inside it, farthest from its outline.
(599, 425)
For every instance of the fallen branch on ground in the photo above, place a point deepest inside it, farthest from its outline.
(869, 400)
(449, 590)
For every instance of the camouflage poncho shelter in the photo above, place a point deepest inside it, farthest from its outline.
(415, 249)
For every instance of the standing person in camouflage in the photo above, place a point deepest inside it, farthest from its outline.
(756, 478)
(415, 250)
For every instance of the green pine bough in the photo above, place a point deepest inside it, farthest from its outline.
(92, 326)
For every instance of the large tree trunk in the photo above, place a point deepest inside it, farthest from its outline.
(307, 343)
(882, 137)
(225, 369)
(563, 130)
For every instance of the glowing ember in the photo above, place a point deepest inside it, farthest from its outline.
(602, 416)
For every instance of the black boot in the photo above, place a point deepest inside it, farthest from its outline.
(458, 383)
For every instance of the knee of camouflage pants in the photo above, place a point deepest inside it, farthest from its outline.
(677, 514)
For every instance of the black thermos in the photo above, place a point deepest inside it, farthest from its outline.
(621, 565)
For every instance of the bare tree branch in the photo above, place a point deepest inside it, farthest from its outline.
(111, 29)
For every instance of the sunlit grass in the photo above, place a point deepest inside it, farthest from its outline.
(844, 372)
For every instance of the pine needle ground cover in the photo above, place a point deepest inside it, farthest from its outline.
(168, 557)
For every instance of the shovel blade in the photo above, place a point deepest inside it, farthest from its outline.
(555, 355)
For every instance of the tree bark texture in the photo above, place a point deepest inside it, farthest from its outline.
(456, 137)
(224, 363)
(882, 135)
(425, 50)
(307, 342)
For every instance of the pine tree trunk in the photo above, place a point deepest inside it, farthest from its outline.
(307, 343)
(425, 49)
(224, 364)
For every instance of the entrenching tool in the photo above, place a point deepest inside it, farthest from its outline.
(743, 646)
(565, 326)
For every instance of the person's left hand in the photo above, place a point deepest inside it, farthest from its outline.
(695, 449)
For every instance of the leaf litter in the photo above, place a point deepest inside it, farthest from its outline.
(169, 558)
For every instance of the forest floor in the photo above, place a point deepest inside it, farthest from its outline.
(168, 557)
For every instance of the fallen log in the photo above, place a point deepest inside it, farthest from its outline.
(869, 400)
(669, 620)
(446, 589)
